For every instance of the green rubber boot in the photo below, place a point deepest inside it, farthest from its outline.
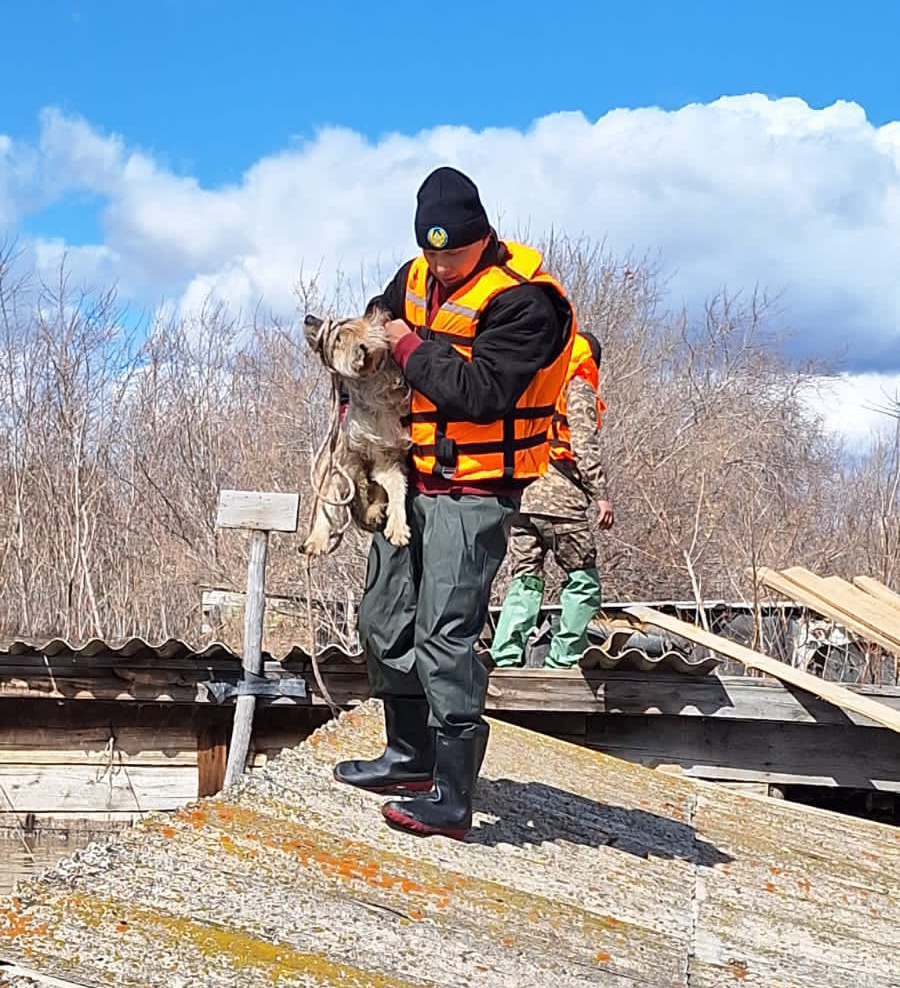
(518, 616)
(580, 600)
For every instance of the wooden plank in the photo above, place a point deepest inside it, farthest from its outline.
(781, 584)
(832, 692)
(540, 689)
(259, 510)
(212, 758)
(100, 690)
(849, 599)
(51, 788)
(827, 755)
(574, 691)
(130, 739)
(619, 692)
(26, 757)
(729, 698)
(875, 588)
(68, 745)
(884, 614)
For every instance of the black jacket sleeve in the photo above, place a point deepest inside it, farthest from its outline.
(393, 296)
(522, 330)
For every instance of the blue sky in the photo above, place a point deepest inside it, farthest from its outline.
(182, 147)
(213, 86)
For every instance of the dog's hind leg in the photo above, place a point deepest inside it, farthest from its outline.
(393, 479)
(369, 504)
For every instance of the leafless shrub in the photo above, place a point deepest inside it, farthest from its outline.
(114, 445)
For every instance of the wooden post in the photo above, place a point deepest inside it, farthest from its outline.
(261, 513)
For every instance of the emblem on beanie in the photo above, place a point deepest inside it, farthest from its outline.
(437, 237)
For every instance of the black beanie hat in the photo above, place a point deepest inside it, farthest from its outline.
(449, 213)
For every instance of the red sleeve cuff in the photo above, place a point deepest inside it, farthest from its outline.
(403, 350)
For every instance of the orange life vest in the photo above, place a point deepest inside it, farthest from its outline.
(516, 446)
(583, 365)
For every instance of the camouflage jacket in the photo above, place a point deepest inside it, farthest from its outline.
(556, 496)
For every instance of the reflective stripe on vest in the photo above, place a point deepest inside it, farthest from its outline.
(583, 365)
(516, 446)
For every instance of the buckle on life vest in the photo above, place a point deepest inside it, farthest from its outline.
(445, 457)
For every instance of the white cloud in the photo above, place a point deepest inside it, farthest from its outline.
(741, 192)
(856, 406)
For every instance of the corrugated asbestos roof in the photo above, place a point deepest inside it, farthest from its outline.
(609, 649)
(581, 871)
(611, 646)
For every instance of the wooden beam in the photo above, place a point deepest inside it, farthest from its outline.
(788, 588)
(875, 588)
(615, 691)
(212, 758)
(830, 755)
(832, 692)
(135, 788)
(850, 600)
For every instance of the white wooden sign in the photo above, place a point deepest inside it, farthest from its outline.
(261, 511)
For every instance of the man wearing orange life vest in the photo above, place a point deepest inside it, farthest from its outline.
(555, 518)
(483, 336)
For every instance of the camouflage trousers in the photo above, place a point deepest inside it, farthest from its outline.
(553, 518)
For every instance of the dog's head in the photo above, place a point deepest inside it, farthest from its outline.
(352, 348)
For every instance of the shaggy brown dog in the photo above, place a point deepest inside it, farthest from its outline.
(367, 471)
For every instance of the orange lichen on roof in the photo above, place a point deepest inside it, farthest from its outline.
(580, 871)
(15, 922)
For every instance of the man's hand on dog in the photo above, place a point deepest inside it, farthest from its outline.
(395, 331)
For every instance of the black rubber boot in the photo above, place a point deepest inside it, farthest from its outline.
(447, 810)
(407, 763)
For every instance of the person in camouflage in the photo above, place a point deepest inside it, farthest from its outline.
(555, 517)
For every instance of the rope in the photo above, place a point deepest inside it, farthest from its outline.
(111, 768)
(323, 466)
(19, 829)
(317, 672)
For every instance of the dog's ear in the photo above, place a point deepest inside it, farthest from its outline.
(312, 330)
(377, 311)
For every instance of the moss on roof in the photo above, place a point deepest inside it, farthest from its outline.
(581, 870)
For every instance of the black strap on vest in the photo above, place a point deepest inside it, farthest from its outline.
(520, 415)
(509, 447)
(446, 451)
(520, 278)
(498, 446)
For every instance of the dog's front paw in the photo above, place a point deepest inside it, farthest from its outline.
(316, 545)
(397, 532)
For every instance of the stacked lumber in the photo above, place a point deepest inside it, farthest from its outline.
(865, 607)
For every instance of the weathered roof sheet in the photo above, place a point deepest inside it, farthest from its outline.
(581, 871)
(607, 651)
(784, 630)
